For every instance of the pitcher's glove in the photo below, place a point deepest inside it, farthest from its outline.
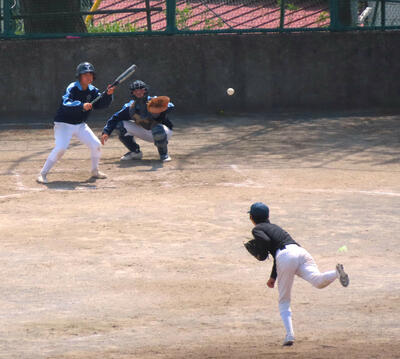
(257, 249)
(158, 104)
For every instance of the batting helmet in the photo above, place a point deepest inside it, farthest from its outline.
(84, 68)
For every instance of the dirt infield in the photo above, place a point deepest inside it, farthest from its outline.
(149, 263)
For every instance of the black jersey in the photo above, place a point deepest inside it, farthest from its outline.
(273, 238)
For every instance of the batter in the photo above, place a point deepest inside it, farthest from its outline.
(70, 120)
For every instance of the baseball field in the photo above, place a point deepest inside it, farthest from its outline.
(150, 263)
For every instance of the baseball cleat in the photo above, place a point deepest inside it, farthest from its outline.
(289, 340)
(132, 156)
(98, 174)
(165, 158)
(42, 178)
(343, 277)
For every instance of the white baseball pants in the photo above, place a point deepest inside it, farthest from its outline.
(291, 261)
(138, 131)
(63, 132)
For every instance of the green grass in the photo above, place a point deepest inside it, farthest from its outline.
(114, 27)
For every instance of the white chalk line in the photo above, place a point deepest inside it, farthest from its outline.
(20, 186)
(236, 169)
(85, 337)
(14, 195)
(251, 183)
(342, 191)
(65, 189)
(29, 123)
(247, 183)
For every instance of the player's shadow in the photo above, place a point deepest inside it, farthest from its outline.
(72, 185)
(313, 140)
(153, 165)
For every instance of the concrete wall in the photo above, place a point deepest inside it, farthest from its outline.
(268, 71)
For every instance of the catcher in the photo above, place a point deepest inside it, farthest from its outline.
(144, 117)
(290, 259)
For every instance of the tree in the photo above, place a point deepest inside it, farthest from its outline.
(52, 23)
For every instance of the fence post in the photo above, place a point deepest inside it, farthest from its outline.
(148, 15)
(7, 17)
(282, 17)
(171, 16)
(334, 26)
(383, 14)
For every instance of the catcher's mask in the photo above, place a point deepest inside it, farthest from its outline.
(138, 85)
(84, 68)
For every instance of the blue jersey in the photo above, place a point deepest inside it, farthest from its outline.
(139, 107)
(71, 109)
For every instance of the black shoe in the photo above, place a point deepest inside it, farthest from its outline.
(343, 277)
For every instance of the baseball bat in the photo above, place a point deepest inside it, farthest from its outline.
(120, 79)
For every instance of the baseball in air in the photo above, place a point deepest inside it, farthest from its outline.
(230, 91)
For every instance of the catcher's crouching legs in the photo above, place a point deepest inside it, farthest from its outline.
(161, 141)
(129, 142)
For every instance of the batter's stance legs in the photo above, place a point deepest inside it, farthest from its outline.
(63, 132)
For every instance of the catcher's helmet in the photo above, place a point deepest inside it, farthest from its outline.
(138, 85)
(85, 67)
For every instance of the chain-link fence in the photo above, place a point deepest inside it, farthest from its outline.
(32, 18)
(128, 16)
(377, 13)
(251, 14)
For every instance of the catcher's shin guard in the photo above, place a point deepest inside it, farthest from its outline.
(129, 143)
(160, 139)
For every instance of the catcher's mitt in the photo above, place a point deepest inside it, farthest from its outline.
(158, 104)
(257, 249)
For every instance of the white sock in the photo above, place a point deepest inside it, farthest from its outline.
(47, 166)
(286, 315)
(95, 163)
